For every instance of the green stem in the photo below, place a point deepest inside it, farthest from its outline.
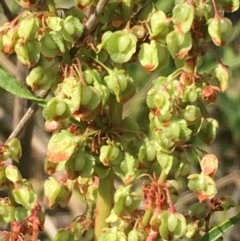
(51, 6)
(146, 218)
(115, 111)
(104, 203)
(127, 9)
(162, 178)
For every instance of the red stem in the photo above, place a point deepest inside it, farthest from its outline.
(217, 13)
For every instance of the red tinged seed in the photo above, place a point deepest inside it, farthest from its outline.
(209, 164)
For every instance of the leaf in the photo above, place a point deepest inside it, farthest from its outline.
(14, 87)
(217, 232)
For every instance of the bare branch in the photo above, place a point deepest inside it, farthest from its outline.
(27, 117)
(90, 24)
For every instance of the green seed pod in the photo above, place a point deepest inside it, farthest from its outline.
(10, 41)
(15, 149)
(12, 173)
(35, 76)
(192, 95)
(86, 95)
(150, 152)
(122, 80)
(181, 227)
(22, 52)
(198, 210)
(142, 153)
(60, 108)
(158, 23)
(6, 211)
(73, 26)
(121, 53)
(33, 49)
(136, 235)
(20, 213)
(132, 203)
(95, 99)
(128, 201)
(172, 222)
(48, 41)
(175, 130)
(25, 196)
(191, 113)
(56, 109)
(104, 153)
(55, 191)
(220, 30)
(68, 26)
(182, 17)
(48, 47)
(163, 229)
(28, 28)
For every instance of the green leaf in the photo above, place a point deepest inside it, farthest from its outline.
(217, 232)
(14, 87)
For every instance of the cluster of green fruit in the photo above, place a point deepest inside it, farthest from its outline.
(31, 36)
(22, 200)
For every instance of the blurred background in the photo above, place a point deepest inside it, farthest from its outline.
(34, 139)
